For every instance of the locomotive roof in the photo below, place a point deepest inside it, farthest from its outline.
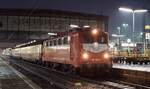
(72, 31)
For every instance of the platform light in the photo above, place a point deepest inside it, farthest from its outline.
(125, 9)
(128, 45)
(74, 26)
(52, 34)
(115, 35)
(140, 11)
(34, 40)
(125, 25)
(128, 40)
(86, 26)
(133, 11)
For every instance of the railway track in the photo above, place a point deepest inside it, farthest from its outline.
(67, 81)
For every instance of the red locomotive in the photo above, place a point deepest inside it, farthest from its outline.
(82, 50)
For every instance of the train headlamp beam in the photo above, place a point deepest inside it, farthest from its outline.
(94, 31)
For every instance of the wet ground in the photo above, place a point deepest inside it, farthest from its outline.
(12, 79)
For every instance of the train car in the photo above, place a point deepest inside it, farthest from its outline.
(83, 50)
(7, 51)
(15, 52)
(29, 51)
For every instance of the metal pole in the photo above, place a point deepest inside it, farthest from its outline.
(133, 26)
(119, 40)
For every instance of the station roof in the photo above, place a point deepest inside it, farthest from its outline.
(48, 12)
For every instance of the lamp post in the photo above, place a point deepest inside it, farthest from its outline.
(119, 45)
(141, 36)
(125, 28)
(125, 25)
(133, 11)
(128, 41)
(119, 32)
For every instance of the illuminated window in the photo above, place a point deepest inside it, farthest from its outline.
(147, 27)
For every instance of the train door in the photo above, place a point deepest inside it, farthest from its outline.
(75, 49)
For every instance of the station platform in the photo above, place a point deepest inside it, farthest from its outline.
(12, 79)
(143, 68)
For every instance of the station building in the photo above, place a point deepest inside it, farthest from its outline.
(22, 25)
(47, 20)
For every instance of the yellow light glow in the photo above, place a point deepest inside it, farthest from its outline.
(94, 31)
(85, 56)
(106, 55)
(147, 27)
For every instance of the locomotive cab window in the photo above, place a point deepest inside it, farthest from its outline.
(102, 39)
(88, 37)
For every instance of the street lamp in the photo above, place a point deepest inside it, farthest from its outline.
(133, 11)
(125, 25)
(125, 28)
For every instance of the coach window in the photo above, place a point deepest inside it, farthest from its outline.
(55, 42)
(65, 41)
(59, 41)
(46, 43)
(68, 39)
(50, 43)
(62, 40)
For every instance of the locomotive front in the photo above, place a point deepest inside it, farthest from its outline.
(94, 51)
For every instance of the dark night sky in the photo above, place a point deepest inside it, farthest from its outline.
(106, 7)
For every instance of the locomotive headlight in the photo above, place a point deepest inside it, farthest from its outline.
(106, 55)
(85, 55)
(94, 31)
